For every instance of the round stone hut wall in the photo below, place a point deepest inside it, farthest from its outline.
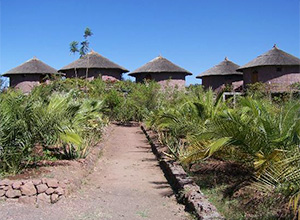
(218, 82)
(25, 82)
(105, 74)
(164, 79)
(277, 77)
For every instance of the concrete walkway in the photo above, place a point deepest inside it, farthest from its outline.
(126, 184)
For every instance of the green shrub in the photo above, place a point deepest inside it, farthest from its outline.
(58, 120)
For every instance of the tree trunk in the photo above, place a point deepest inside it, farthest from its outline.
(87, 69)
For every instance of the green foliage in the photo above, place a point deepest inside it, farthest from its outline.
(258, 90)
(74, 47)
(128, 101)
(282, 176)
(68, 116)
(84, 45)
(228, 88)
(260, 133)
(186, 117)
(27, 121)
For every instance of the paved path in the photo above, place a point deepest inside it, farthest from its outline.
(127, 184)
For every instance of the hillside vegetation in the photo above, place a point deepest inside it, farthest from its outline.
(244, 155)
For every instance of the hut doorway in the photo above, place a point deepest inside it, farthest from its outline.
(254, 77)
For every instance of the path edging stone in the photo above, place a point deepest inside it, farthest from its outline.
(188, 191)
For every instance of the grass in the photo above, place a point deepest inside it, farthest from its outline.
(229, 208)
(100, 154)
(220, 186)
(143, 214)
(84, 182)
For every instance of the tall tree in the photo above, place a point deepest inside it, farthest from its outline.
(74, 50)
(84, 48)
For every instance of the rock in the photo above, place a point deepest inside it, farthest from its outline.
(17, 185)
(11, 193)
(37, 182)
(59, 191)
(53, 183)
(27, 200)
(28, 189)
(6, 188)
(43, 198)
(54, 198)
(2, 192)
(25, 181)
(41, 188)
(44, 180)
(60, 197)
(49, 191)
(5, 182)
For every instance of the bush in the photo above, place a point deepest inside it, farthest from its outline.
(58, 120)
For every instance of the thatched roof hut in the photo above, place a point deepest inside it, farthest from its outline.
(221, 75)
(96, 64)
(273, 57)
(29, 74)
(163, 71)
(159, 65)
(226, 67)
(276, 68)
(32, 66)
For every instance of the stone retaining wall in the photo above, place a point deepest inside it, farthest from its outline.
(38, 191)
(188, 192)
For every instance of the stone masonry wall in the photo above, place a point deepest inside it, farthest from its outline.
(217, 83)
(38, 191)
(93, 73)
(279, 77)
(164, 79)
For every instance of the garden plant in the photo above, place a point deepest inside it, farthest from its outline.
(254, 143)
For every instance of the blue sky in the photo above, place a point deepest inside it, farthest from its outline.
(194, 34)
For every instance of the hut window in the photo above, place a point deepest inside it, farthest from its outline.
(278, 69)
(254, 77)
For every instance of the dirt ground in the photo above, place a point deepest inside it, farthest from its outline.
(126, 183)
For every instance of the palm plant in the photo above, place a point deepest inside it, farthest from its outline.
(84, 48)
(255, 128)
(260, 134)
(15, 132)
(179, 123)
(282, 177)
(59, 120)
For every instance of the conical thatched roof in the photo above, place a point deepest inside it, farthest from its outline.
(274, 57)
(160, 65)
(226, 67)
(93, 60)
(32, 66)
